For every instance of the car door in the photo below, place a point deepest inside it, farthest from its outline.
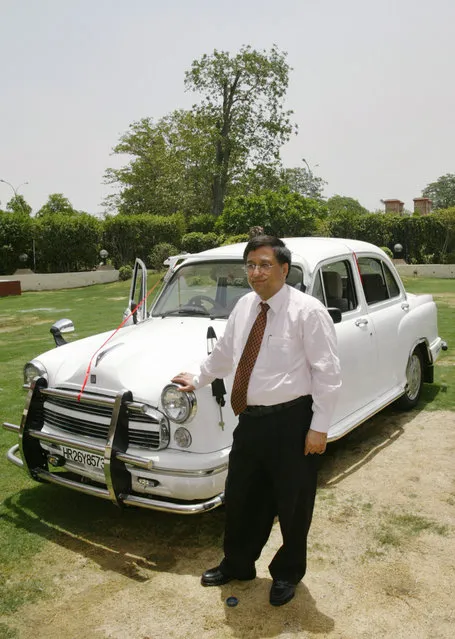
(387, 305)
(336, 284)
(137, 305)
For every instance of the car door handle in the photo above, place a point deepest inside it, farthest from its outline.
(405, 306)
(361, 322)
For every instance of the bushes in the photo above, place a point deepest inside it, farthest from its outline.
(387, 251)
(159, 253)
(197, 242)
(235, 239)
(67, 242)
(425, 239)
(283, 213)
(16, 237)
(204, 223)
(129, 236)
(72, 242)
(125, 272)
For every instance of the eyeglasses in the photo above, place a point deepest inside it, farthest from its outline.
(262, 268)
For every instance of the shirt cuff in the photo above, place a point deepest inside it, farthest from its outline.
(319, 423)
(201, 380)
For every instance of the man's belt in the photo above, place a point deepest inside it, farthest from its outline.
(259, 411)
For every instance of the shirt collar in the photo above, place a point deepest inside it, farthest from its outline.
(276, 301)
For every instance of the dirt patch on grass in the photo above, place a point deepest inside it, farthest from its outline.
(381, 561)
(11, 324)
(446, 298)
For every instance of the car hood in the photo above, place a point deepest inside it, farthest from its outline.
(141, 358)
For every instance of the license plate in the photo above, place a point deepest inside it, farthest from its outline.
(89, 460)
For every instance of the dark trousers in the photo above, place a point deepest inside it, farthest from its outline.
(269, 475)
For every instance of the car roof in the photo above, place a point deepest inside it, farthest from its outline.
(309, 250)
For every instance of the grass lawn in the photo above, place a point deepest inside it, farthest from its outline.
(24, 333)
(441, 394)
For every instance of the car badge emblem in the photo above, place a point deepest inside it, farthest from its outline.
(92, 379)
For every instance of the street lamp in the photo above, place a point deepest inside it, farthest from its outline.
(103, 255)
(15, 190)
(308, 166)
(397, 249)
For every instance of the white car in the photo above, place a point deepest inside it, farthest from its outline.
(120, 431)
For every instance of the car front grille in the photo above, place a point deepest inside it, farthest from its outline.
(76, 418)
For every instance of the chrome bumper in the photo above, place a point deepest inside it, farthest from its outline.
(33, 457)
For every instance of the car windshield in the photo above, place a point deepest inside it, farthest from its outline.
(209, 289)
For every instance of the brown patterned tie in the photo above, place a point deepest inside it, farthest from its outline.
(248, 360)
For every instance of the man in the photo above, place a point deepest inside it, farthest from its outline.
(282, 345)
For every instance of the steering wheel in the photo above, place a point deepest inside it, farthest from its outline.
(197, 300)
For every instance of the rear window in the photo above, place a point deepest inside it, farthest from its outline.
(378, 281)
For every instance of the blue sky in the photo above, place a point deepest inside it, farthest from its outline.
(371, 88)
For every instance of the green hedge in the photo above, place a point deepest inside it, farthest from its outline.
(66, 243)
(16, 237)
(428, 239)
(126, 237)
(71, 243)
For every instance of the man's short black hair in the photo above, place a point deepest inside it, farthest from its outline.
(281, 251)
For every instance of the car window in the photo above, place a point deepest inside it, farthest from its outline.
(210, 288)
(318, 291)
(392, 286)
(333, 285)
(378, 281)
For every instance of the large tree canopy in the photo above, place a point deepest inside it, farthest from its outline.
(191, 160)
(170, 167)
(441, 192)
(243, 98)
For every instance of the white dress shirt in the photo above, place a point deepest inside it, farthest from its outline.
(298, 354)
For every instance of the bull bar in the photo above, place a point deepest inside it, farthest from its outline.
(33, 458)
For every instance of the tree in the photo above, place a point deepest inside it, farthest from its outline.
(18, 204)
(170, 167)
(278, 212)
(441, 192)
(242, 100)
(342, 205)
(56, 203)
(302, 180)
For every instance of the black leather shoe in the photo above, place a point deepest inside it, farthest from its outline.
(216, 577)
(281, 592)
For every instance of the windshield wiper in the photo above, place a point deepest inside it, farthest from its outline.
(185, 310)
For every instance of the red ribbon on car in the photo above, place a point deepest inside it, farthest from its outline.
(84, 383)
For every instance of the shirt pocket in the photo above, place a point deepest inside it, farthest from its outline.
(281, 352)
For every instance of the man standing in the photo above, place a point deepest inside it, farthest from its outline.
(282, 345)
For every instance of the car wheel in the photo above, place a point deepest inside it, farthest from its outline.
(414, 381)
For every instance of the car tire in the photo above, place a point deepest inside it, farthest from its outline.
(414, 381)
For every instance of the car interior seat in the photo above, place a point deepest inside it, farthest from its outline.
(333, 285)
(374, 287)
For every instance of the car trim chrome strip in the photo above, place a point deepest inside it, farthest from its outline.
(123, 498)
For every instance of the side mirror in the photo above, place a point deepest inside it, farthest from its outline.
(335, 314)
(59, 327)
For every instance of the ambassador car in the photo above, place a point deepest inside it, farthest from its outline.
(102, 417)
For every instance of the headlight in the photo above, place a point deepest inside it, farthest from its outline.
(182, 437)
(179, 406)
(31, 370)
